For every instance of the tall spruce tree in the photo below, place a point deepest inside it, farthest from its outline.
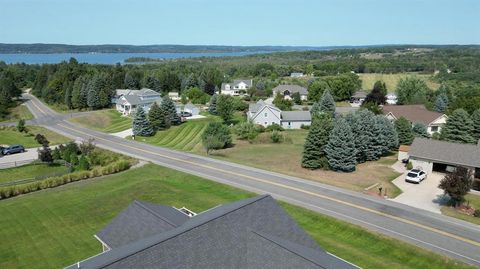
(156, 117)
(362, 125)
(420, 130)
(141, 126)
(380, 143)
(326, 103)
(314, 156)
(404, 131)
(441, 103)
(389, 132)
(458, 128)
(340, 149)
(476, 124)
(170, 112)
(212, 105)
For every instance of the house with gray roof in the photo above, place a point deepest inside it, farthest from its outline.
(127, 101)
(238, 87)
(251, 233)
(266, 114)
(435, 155)
(288, 90)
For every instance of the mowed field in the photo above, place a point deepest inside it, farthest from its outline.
(54, 228)
(185, 137)
(10, 136)
(109, 121)
(391, 80)
(30, 171)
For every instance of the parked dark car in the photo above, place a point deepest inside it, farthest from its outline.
(13, 149)
(185, 114)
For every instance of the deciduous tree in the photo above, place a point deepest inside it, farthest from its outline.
(457, 184)
(216, 136)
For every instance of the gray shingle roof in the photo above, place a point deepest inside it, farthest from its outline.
(251, 233)
(296, 116)
(292, 88)
(140, 220)
(255, 107)
(135, 97)
(446, 152)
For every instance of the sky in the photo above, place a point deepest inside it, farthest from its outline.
(246, 22)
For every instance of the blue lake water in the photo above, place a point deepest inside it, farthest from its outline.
(105, 58)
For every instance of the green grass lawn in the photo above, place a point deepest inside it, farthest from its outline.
(391, 80)
(473, 200)
(109, 121)
(29, 171)
(18, 112)
(10, 135)
(186, 137)
(54, 228)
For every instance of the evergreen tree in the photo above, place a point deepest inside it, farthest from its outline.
(93, 100)
(380, 144)
(458, 128)
(326, 103)
(340, 148)
(68, 97)
(169, 112)
(156, 117)
(21, 125)
(420, 130)
(404, 131)
(362, 124)
(56, 154)
(389, 132)
(314, 156)
(141, 126)
(441, 103)
(476, 124)
(212, 105)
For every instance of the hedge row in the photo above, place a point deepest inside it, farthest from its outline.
(51, 182)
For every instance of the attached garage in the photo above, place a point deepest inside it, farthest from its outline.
(441, 156)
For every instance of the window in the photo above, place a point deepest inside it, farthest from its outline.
(266, 114)
(289, 123)
(266, 123)
(434, 128)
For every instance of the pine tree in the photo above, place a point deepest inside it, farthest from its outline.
(404, 131)
(93, 100)
(362, 125)
(441, 103)
(326, 103)
(476, 124)
(420, 130)
(390, 132)
(156, 117)
(314, 156)
(340, 148)
(170, 112)
(141, 126)
(212, 106)
(380, 143)
(458, 128)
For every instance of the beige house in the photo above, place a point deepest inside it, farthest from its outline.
(417, 113)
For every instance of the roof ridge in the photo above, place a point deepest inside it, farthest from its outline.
(266, 237)
(181, 231)
(154, 213)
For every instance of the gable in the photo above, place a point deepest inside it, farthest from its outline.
(269, 109)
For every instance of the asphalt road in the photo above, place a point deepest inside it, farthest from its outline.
(441, 234)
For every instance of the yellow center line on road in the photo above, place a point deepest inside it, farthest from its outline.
(419, 225)
(41, 110)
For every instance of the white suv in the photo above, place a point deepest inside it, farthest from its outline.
(415, 176)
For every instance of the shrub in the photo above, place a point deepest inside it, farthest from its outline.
(476, 213)
(259, 128)
(409, 165)
(216, 136)
(305, 127)
(246, 130)
(276, 136)
(83, 163)
(274, 127)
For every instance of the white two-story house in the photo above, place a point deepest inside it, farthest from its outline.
(238, 87)
(127, 101)
(265, 114)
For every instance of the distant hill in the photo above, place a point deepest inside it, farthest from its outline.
(63, 48)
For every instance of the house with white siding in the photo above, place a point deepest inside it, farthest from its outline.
(265, 114)
(288, 90)
(238, 87)
(416, 114)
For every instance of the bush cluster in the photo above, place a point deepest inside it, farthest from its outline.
(51, 182)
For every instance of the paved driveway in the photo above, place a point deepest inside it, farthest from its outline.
(425, 195)
(13, 160)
